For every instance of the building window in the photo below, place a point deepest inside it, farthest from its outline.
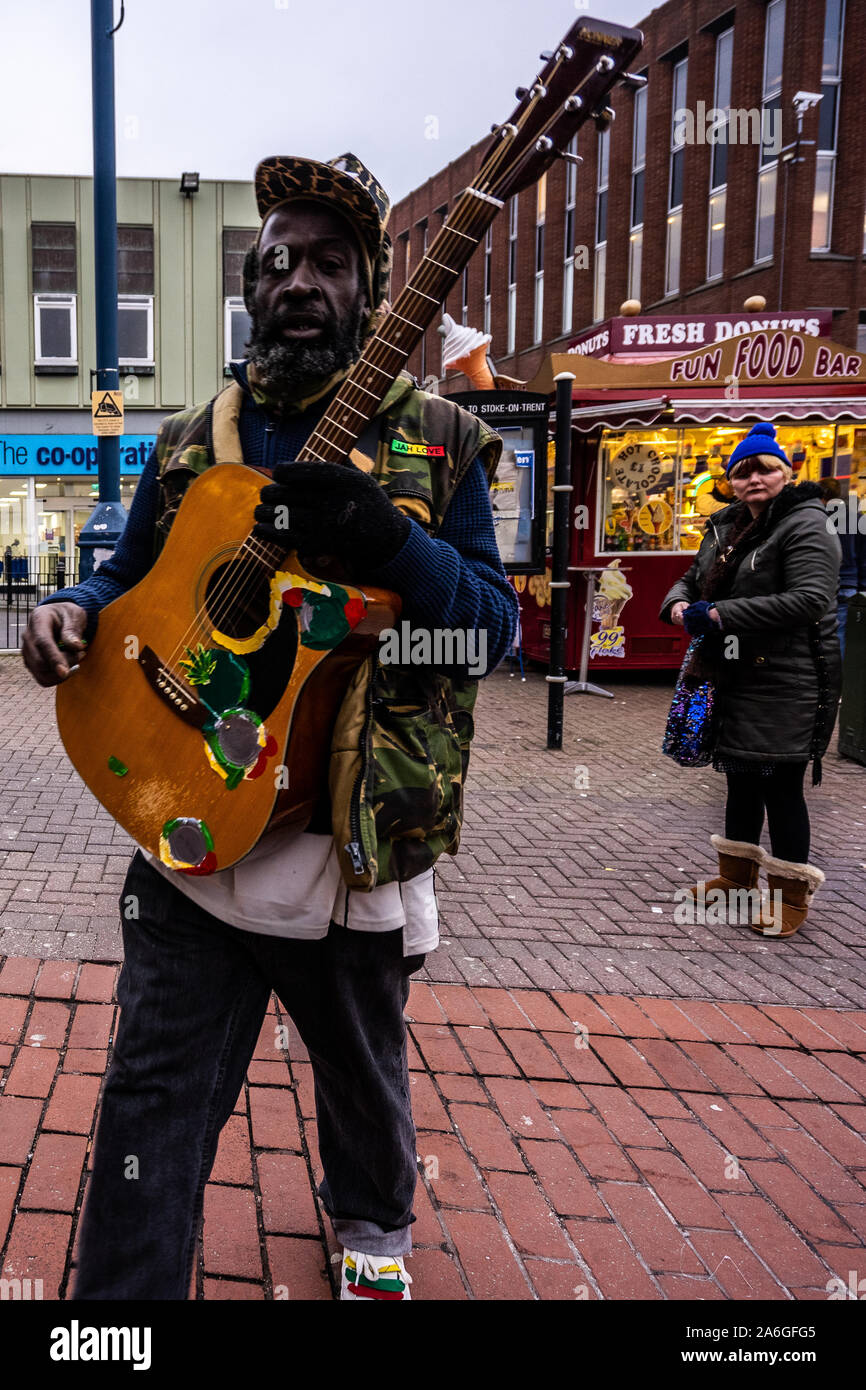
(568, 250)
(638, 172)
(53, 256)
(828, 126)
(424, 243)
(771, 115)
(236, 243)
(512, 274)
(488, 278)
(135, 330)
(861, 331)
(719, 160)
(540, 218)
(236, 321)
(603, 158)
(676, 180)
(54, 270)
(135, 296)
(54, 319)
(236, 328)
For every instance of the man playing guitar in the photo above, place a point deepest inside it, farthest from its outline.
(334, 928)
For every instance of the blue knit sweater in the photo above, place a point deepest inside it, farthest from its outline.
(455, 581)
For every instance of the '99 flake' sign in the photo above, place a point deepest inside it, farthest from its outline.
(638, 465)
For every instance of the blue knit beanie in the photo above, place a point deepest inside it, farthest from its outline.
(761, 439)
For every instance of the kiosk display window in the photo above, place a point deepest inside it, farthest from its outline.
(657, 487)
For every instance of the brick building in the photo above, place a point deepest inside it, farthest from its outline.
(663, 211)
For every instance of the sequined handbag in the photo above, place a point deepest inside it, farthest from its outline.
(690, 734)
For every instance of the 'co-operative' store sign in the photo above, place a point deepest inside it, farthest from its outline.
(27, 455)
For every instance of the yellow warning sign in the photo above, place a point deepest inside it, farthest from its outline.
(106, 411)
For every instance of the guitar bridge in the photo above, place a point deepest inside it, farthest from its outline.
(172, 691)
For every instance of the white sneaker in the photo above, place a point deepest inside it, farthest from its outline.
(374, 1277)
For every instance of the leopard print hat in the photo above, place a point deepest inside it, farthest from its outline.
(344, 184)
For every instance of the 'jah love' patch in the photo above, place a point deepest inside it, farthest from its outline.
(399, 446)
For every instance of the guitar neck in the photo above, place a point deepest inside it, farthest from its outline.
(387, 353)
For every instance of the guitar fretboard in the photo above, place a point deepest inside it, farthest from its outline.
(387, 353)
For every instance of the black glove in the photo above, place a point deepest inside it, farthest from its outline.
(331, 509)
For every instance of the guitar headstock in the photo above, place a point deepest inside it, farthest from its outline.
(571, 89)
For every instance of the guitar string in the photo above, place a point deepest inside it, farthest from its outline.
(222, 602)
(207, 618)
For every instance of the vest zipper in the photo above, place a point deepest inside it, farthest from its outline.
(355, 848)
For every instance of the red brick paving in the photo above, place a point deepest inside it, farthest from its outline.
(676, 1151)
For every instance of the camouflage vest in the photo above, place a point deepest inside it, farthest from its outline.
(400, 746)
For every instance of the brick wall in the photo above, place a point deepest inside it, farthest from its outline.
(830, 280)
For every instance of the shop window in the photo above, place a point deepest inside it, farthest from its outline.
(658, 488)
(861, 331)
(54, 322)
(237, 326)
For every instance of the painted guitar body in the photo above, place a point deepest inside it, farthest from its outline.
(201, 714)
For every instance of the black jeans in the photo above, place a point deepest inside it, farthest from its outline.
(781, 797)
(193, 993)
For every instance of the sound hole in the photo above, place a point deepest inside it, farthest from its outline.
(238, 598)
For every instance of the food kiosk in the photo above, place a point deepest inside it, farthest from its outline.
(651, 436)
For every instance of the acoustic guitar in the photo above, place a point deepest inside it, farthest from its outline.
(203, 712)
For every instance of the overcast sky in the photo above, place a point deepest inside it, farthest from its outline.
(215, 85)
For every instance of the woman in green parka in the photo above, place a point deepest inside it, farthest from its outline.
(766, 575)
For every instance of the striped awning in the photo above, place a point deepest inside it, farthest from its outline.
(617, 415)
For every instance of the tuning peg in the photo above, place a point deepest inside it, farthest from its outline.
(604, 118)
(574, 102)
(605, 63)
(632, 79)
(521, 92)
(569, 158)
(546, 56)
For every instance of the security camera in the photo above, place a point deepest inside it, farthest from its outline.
(804, 101)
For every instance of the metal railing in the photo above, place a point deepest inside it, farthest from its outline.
(23, 582)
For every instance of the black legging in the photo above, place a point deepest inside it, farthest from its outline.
(781, 796)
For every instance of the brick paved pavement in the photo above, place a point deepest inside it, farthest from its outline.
(569, 1147)
(557, 886)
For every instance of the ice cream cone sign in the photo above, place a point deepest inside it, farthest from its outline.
(466, 350)
(614, 592)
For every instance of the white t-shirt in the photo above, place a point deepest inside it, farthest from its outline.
(290, 885)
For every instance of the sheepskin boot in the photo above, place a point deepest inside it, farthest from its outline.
(792, 888)
(739, 865)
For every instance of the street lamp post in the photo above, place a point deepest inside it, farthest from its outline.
(103, 527)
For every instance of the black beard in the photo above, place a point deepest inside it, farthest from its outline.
(291, 370)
